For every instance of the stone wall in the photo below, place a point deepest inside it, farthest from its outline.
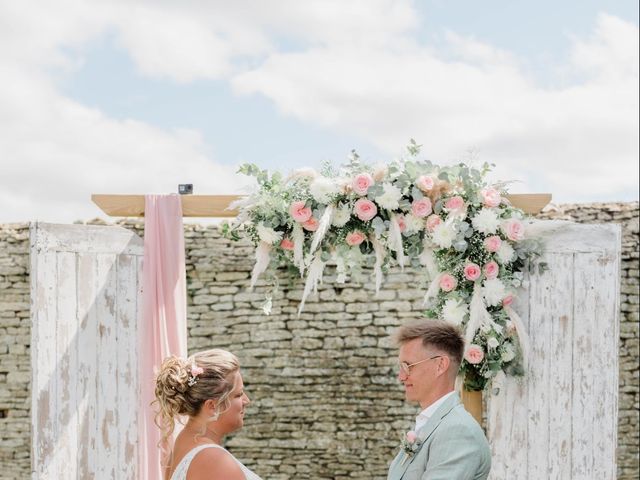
(15, 362)
(326, 404)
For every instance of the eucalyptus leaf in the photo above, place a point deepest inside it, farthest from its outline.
(460, 246)
(416, 193)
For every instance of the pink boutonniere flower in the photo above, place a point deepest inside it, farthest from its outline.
(410, 445)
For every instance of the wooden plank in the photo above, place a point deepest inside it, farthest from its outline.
(88, 239)
(530, 203)
(87, 365)
(67, 364)
(561, 421)
(107, 436)
(569, 237)
(43, 360)
(77, 393)
(601, 289)
(472, 402)
(561, 299)
(128, 274)
(518, 390)
(508, 417)
(605, 387)
(538, 378)
(217, 205)
(585, 344)
(192, 205)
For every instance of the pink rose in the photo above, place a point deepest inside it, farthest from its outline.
(299, 212)
(474, 354)
(432, 222)
(491, 270)
(195, 370)
(365, 209)
(421, 208)
(311, 225)
(513, 229)
(508, 300)
(425, 183)
(286, 244)
(361, 183)
(448, 282)
(472, 272)
(490, 197)
(402, 223)
(454, 203)
(492, 244)
(412, 436)
(354, 238)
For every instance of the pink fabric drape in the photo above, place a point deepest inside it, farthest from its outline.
(164, 324)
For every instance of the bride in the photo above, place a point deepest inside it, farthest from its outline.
(207, 388)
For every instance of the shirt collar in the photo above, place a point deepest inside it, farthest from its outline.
(426, 414)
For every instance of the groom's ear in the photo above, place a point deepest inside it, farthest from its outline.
(444, 364)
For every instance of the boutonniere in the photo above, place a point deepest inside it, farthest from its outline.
(409, 445)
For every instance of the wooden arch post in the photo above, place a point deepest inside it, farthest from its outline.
(217, 206)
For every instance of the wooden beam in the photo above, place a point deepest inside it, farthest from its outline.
(216, 205)
(192, 205)
(472, 402)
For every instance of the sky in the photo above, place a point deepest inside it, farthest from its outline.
(134, 97)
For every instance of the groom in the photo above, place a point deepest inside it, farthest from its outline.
(446, 442)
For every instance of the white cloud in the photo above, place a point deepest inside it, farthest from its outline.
(479, 99)
(353, 67)
(56, 152)
(60, 152)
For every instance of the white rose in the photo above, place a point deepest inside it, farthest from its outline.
(454, 311)
(322, 188)
(268, 235)
(505, 253)
(443, 235)
(492, 343)
(390, 198)
(486, 221)
(341, 216)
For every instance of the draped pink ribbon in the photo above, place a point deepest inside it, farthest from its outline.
(163, 330)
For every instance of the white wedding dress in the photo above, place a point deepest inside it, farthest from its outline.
(181, 470)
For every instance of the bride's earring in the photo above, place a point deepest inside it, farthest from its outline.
(214, 417)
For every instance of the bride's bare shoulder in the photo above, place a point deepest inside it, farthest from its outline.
(214, 464)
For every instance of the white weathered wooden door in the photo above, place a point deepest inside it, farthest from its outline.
(85, 283)
(560, 421)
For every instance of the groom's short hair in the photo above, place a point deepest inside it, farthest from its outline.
(434, 333)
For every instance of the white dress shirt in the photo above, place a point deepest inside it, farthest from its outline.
(425, 414)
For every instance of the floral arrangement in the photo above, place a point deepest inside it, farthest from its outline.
(445, 221)
(409, 445)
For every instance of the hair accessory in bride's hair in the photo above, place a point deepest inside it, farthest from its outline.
(195, 371)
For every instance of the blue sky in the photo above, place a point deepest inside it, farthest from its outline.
(136, 97)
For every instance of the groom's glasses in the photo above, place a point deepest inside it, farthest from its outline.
(406, 367)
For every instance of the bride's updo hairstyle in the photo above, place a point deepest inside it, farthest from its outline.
(183, 385)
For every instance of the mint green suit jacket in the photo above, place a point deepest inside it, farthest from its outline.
(450, 446)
